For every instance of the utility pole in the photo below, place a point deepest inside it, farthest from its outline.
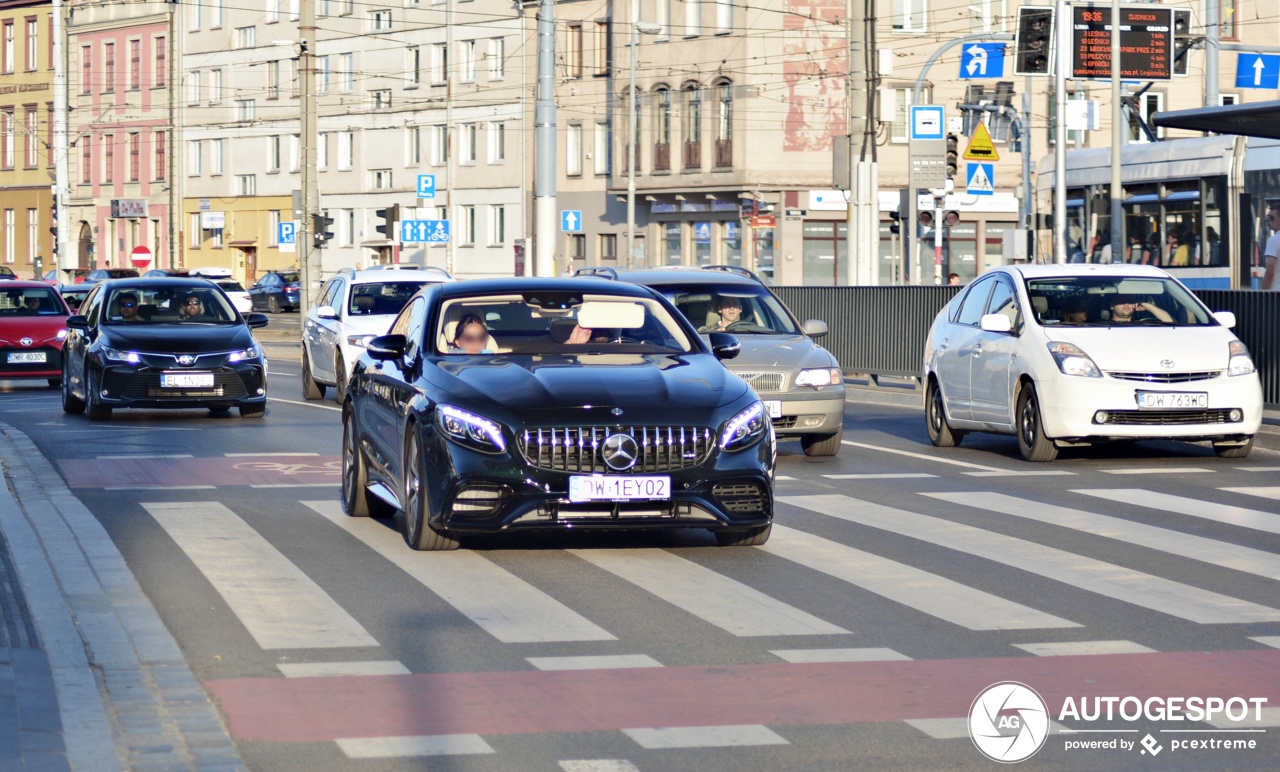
(174, 90)
(1028, 204)
(61, 175)
(448, 134)
(544, 225)
(1061, 60)
(1212, 44)
(307, 251)
(1117, 140)
(863, 212)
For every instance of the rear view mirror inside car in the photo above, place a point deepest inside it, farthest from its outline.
(597, 314)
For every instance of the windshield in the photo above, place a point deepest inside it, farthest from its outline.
(290, 278)
(732, 308)
(559, 323)
(230, 286)
(168, 304)
(31, 302)
(382, 298)
(1106, 301)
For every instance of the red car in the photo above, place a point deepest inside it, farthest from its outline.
(33, 323)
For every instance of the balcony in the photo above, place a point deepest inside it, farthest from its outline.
(662, 156)
(724, 153)
(692, 156)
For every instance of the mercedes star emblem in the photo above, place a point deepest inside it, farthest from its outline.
(186, 360)
(619, 452)
(25, 341)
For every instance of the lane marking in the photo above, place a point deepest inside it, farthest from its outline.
(399, 747)
(1246, 559)
(957, 728)
(927, 593)
(306, 404)
(1209, 510)
(783, 477)
(148, 455)
(1096, 576)
(888, 476)
(596, 662)
(280, 606)
(1270, 717)
(1074, 648)
(1259, 468)
(326, 669)
(297, 485)
(714, 598)
(839, 655)
(1157, 470)
(598, 765)
(1268, 640)
(159, 487)
(705, 736)
(1036, 473)
(267, 455)
(1261, 491)
(922, 456)
(504, 605)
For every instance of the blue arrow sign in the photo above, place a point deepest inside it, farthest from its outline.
(424, 231)
(980, 180)
(437, 231)
(982, 60)
(571, 220)
(287, 232)
(426, 186)
(1258, 71)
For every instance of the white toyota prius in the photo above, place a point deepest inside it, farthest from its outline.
(1064, 355)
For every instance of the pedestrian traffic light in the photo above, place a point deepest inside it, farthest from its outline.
(895, 228)
(1033, 42)
(1181, 40)
(389, 217)
(953, 155)
(926, 218)
(320, 232)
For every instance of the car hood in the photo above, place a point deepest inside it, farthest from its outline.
(370, 325)
(779, 352)
(1151, 349)
(188, 338)
(639, 384)
(38, 328)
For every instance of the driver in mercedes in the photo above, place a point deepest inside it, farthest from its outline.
(730, 311)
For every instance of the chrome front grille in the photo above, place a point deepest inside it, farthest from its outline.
(762, 382)
(1166, 377)
(1167, 417)
(577, 448)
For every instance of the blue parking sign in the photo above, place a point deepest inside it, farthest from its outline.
(287, 232)
(426, 186)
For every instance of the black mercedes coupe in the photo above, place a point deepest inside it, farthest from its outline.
(162, 343)
(511, 404)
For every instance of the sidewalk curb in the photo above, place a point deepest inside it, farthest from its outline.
(126, 696)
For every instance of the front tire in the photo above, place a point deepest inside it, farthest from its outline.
(339, 379)
(822, 444)
(356, 499)
(418, 533)
(1032, 442)
(93, 409)
(71, 404)
(935, 418)
(310, 389)
(1233, 451)
(273, 305)
(751, 537)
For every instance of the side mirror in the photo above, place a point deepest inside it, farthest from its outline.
(814, 328)
(724, 345)
(387, 347)
(995, 323)
(1225, 318)
(326, 312)
(77, 322)
(257, 320)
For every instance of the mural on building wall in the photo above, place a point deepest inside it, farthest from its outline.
(813, 69)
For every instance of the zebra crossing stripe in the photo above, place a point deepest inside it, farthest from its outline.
(398, 747)
(705, 736)
(920, 590)
(1246, 559)
(1077, 648)
(275, 601)
(504, 605)
(1112, 581)
(726, 603)
(839, 655)
(1209, 510)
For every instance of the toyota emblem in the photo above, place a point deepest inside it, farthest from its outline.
(26, 341)
(616, 411)
(186, 360)
(1166, 364)
(619, 452)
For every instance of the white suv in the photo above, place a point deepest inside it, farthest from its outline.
(353, 307)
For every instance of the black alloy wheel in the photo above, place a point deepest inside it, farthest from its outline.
(418, 533)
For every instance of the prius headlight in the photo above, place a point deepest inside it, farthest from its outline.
(468, 429)
(1240, 363)
(1072, 360)
(117, 355)
(253, 352)
(745, 428)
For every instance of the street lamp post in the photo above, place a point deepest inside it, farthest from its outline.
(637, 28)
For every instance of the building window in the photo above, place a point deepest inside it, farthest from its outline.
(909, 15)
(603, 148)
(215, 13)
(573, 52)
(724, 17)
(135, 65)
(246, 109)
(348, 7)
(573, 150)
(608, 247)
(86, 69)
(1227, 19)
(380, 179)
(216, 146)
(247, 184)
(109, 67)
(246, 37)
(322, 75)
(578, 250)
(413, 146)
(86, 160)
(662, 131)
(161, 150)
(468, 64)
(273, 228)
(497, 225)
(322, 151)
(193, 86)
(273, 12)
(603, 51)
(9, 239)
(192, 11)
(348, 62)
(497, 142)
(161, 75)
(108, 157)
(413, 67)
(497, 58)
(194, 159)
(32, 138)
(33, 44)
(273, 153)
(33, 237)
(468, 226)
(8, 45)
(346, 149)
(692, 18)
(273, 79)
(135, 156)
(215, 87)
(901, 129)
(6, 140)
(692, 127)
(439, 145)
(380, 99)
(295, 152)
(380, 21)
(1151, 103)
(468, 154)
(724, 125)
(439, 63)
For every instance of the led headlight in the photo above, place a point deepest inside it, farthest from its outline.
(252, 352)
(359, 341)
(1240, 363)
(744, 428)
(820, 377)
(1072, 361)
(62, 334)
(116, 355)
(470, 430)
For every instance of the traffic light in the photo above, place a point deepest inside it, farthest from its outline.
(953, 155)
(320, 232)
(53, 228)
(926, 218)
(895, 228)
(389, 216)
(1181, 40)
(1033, 42)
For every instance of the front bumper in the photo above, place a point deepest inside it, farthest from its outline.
(139, 386)
(472, 492)
(808, 411)
(1069, 406)
(51, 367)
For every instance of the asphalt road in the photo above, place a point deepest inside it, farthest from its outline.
(901, 580)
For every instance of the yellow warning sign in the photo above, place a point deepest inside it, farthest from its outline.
(980, 146)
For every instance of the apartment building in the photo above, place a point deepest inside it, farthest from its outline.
(26, 138)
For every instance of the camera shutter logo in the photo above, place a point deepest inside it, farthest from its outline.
(1009, 722)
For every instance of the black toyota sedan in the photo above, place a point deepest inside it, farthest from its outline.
(162, 343)
(508, 404)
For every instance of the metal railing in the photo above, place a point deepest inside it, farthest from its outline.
(881, 331)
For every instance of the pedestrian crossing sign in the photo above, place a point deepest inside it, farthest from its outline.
(981, 148)
(979, 180)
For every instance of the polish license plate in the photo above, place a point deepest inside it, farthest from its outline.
(598, 487)
(26, 357)
(1165, 400)
(774, 406)
(186, 380)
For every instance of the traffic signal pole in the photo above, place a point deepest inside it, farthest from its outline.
(308, 254)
